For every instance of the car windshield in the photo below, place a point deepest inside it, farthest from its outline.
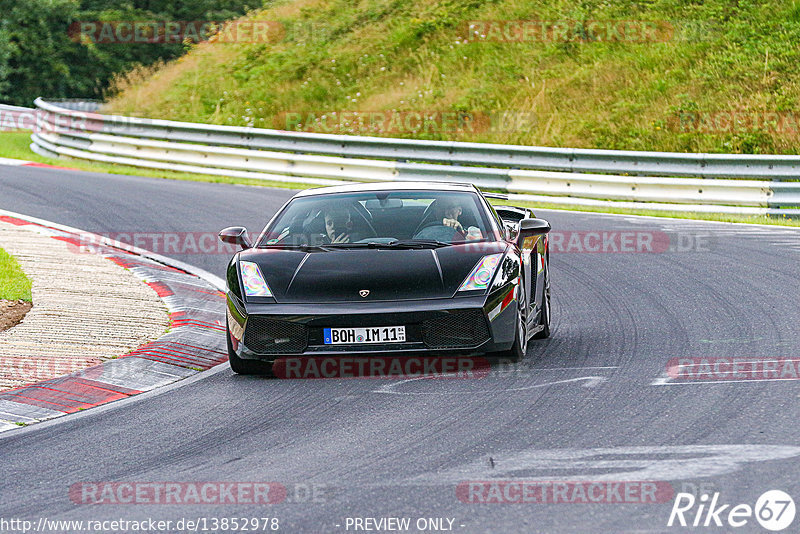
(381, 218)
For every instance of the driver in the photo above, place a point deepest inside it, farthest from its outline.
(452, 211)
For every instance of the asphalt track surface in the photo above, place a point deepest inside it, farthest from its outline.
(592, 403)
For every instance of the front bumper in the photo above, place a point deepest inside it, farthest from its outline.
(454, 326)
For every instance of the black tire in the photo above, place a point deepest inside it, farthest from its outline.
(517, 351)
(544, 316)
(246, 367)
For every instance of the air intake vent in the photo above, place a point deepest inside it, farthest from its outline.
(263, 335)
(462, 328)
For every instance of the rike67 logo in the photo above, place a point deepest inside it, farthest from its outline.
(774, 510)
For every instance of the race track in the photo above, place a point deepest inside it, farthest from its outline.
(592, 403)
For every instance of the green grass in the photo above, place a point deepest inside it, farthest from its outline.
(411, 55)
(14, 285)
(15, 145)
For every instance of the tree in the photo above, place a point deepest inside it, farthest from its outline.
(39, 57)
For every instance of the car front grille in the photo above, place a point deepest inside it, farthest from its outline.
(461, 328)
(269, 336)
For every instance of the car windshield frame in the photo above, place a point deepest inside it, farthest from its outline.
(489, 231)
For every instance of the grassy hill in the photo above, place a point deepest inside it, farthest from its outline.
(671, 86)
(14, 285)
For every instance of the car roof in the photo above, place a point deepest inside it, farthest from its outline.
(389, 186)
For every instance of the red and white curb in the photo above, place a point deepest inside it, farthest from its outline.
(194, 343)
(23, 163)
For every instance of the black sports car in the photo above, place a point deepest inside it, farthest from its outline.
(388, 268)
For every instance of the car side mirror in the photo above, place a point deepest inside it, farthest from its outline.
(511, 228)
(532, 228)
(236, 235)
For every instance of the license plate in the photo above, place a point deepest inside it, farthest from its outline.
(355, 336)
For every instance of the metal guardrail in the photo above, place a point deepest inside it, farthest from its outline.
(751, 184)
(16, 118)
(22, 118)
(459, 153)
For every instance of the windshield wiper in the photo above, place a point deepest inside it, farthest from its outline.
(417, 243)
(397, 244)
(304, 248)
(351, 245)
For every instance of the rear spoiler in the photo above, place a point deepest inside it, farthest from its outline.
(499, 196)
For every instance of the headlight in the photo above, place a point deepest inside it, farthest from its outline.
(482, 274)
(253, 280)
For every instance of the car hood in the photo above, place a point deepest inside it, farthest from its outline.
(387, 274)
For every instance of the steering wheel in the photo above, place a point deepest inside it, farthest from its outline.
(439, 232)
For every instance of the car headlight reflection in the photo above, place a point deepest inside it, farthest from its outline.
(253, 280)
(482, 274)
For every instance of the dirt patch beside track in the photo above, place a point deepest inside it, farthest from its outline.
(12, 312)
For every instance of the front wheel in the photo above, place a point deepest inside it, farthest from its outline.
(246, 367)
(517, 351)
